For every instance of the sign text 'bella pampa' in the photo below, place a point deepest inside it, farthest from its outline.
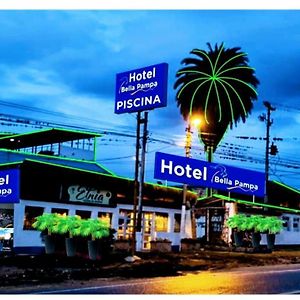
(141, 89)
(201, 173)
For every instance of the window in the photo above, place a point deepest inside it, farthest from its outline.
(31, 212)
(296, 224)
(286, 224)
(60, 211)
(216, 221)
(105, 216)
(84, 214)
(161, 222)
(125, 224)
(6, 217)
(177, 221)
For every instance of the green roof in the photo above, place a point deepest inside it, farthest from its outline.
(249, 203)
(43, 137)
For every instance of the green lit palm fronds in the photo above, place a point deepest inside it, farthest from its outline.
(95, 228)
(46, 222)
(73, 225)
(219, 85)
(255, 223)
(68, 224)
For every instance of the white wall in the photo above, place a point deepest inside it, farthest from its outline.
(31, 238)
(289, 236)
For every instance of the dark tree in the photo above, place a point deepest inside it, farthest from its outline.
(219, 85)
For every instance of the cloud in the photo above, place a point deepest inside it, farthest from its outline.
(66, 61)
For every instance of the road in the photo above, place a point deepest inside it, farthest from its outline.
(253, 280)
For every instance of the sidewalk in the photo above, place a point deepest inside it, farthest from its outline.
(21, 270)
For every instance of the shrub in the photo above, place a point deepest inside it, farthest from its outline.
(68, 224)
(47, 222)
(256, 223)
(95, 228)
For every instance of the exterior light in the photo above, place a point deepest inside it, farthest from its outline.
(12, 140)
(196, 121)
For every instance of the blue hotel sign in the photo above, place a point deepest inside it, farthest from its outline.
(9, 186)
(201, 173)
(141, 89)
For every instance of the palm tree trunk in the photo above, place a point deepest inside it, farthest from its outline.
(209, 159)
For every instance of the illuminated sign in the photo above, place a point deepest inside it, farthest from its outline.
(9, 186)
(201, 173)
(142, 89)
(78, 193)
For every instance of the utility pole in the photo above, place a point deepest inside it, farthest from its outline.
(139, 177)
(144, 121)
(267, 119)
(136, 182)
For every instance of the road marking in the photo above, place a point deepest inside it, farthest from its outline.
(291, 293)
(263, 272)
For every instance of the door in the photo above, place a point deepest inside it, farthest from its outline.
(147, 230)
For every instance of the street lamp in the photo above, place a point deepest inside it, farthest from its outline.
(194, 121)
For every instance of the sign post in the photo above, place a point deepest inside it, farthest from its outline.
(136, 91)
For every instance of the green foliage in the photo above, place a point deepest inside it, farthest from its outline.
(219, 85)
(255, 223)
(46, 222)
(236, 222)
(272, 225)
(95, 228)
(68, 224)
(74, 225)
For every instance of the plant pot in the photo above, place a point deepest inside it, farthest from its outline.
(238, 238)
(49, 244)
(93, 249)
(271, 240)
(70, 247)
(160, 246)
(187, 245)
(122, 245)
(256, 237)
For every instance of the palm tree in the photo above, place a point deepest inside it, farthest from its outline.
(219, 85)
(96, 229)
(70, 225)
(47, 223)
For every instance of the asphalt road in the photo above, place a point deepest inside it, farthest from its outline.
(253, 280)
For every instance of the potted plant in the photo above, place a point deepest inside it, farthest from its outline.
(237, 224)
(47, 223)
(161, 245)
(275, 226)
(71, 226)
(272, 226)
(252, 225)
(96, 229)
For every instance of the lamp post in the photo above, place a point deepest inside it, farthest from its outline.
(195, 121)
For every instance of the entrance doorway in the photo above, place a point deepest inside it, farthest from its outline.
(147, 229)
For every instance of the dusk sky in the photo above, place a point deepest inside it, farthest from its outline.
(60, 66)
